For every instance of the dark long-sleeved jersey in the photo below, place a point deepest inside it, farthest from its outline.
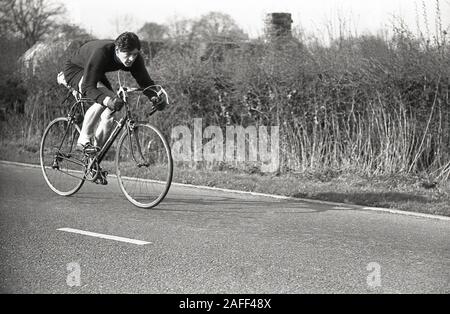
(95, 58)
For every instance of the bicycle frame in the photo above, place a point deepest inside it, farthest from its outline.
(126, 120)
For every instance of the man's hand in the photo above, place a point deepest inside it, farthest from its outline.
(159, 102)
(115, 104)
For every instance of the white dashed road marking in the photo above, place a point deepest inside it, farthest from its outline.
(104, 236)
(342, 208)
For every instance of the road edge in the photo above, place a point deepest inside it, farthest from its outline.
(379, 209)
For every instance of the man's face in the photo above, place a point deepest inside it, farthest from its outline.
(127, 57)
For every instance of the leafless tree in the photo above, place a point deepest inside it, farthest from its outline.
(29, 19)
(217, 26)
(180, 29)
(153, 31)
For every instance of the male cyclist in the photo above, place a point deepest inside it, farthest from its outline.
(86, 70)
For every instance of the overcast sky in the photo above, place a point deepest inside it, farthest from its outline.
(97, 16)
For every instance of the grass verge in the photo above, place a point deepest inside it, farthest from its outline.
(403, 192)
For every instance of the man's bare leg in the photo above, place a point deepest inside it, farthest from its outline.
(89, 123)
(104, 128)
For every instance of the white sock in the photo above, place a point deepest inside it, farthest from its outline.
(84, 139)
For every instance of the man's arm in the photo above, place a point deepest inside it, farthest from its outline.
(93, 73)
(106, 82)
(140, 73)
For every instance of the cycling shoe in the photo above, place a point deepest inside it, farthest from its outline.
(88, 148)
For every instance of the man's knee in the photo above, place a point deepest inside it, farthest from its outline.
(97, 108)
(93, 114)
(107, 115)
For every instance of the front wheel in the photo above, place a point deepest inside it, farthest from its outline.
(144, 165)
(61, 164)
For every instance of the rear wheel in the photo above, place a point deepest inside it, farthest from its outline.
(61, 164)
(144, 165)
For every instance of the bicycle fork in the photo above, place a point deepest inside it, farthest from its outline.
(133, 132)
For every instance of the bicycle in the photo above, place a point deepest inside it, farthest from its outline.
(143, 159)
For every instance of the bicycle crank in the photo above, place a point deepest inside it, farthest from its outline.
(101, 178)
(92, 170)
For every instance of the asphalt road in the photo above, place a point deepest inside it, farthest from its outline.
(202, 241)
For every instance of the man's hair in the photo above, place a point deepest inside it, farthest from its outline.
(128, 41)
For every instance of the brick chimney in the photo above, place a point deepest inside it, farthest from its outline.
(278, 25)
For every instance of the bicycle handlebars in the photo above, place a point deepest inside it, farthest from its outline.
(158, 89)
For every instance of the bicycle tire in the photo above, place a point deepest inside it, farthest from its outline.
(156, 177)
(59, 139)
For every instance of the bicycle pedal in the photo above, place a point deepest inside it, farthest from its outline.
(90, 152)
(88, 149)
